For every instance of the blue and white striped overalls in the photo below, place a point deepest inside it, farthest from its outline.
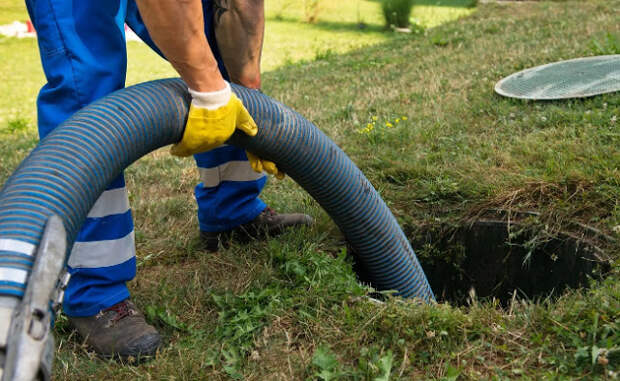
(83, 52)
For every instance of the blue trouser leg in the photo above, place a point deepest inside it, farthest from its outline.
(83, 54)
(82, 48)
(228, 193)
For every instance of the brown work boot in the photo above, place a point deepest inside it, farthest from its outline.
(268, 223)
(118, 331)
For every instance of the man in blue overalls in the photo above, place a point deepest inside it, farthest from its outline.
(83, 52)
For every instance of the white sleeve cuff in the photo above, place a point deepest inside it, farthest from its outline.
(211, 100)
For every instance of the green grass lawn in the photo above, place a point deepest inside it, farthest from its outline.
(290, 308)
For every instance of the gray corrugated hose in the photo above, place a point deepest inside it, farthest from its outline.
(72, 166)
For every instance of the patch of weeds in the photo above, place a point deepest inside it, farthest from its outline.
(374, 364)
(604, 348)
(533, 235)
(397, 326)
(589, 334)
(326, 365)
(322, 276)
(376, 128)
(305, 279)
(443, 38)
(240, 318)
(16, 141)
(439, 39)
(609, 45)
(451, 373)
(162, 315)
(441, 189)
(17, 125)
(453, 255)
(324, 54)
(61, 324)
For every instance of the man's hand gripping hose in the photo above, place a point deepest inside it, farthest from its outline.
(26, 338)
(213, 118)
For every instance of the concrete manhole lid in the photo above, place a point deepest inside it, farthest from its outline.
(576, 78)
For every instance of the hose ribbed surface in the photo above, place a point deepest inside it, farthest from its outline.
(72, 166)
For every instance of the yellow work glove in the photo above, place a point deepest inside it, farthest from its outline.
(259, 165)
(213, 118)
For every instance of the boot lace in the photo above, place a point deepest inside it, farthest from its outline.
(121, 309)
(269, 212)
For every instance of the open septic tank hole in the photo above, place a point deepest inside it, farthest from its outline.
(501, 259)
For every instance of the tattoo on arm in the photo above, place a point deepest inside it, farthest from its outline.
(219, 7)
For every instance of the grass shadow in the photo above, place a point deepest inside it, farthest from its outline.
(334, 26)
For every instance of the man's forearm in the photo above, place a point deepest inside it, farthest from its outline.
(177, 28)
(239, 29)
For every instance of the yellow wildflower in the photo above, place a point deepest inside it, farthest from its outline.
(389, 125)
(404, 117)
